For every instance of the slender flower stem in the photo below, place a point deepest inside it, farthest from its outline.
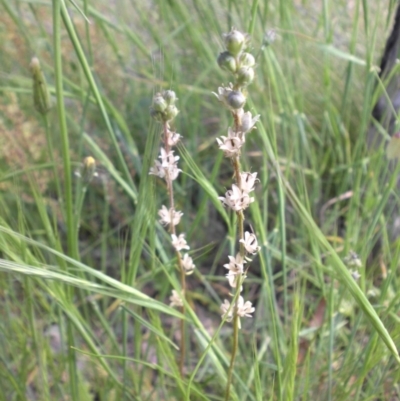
(234, 350)
(236, 60)
(178, 254)
(240, 223)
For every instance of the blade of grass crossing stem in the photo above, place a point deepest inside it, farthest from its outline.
(146, 209)
(71, 233)
(89, 76)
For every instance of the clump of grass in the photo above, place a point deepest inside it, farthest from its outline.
(317, 333)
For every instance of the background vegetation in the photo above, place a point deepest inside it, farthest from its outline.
(85, 314)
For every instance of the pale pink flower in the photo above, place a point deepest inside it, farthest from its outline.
(247, 121)
(236, 199)
(250, 243)
(230, 144)
(157, 169)
(173, 138)
(235, 264)
(243, 309)
(169, 216)
(175, 299)
(247, 181)
(188, 265)
(179, 243)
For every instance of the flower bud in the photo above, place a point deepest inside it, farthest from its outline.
(159, 103)
(235, 41)
(227, 62)
(247, 60)
(41, 96)
(89, 169)
(236, 100)
(170, 113)
(170, 97)
(245, 76)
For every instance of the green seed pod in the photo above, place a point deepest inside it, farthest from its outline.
(227, 62)
(235, 42)
(236, 100)
(41, 96)
(247, 60)
(245, 76)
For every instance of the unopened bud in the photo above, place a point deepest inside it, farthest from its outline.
(227, 62)
(159, 103)
(235, 42)
(170, 113)
(89, 169)
(247, 60)
(236, 100)
(170, 97)
(245, 76)
(41, 96)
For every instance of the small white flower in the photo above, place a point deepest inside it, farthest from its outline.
(243, 309)
(167, 166)
(179, 243)
(250, 243)
(157, 169)
(236, 199)
(247, 121)
(353, 260)
(230, 144)
(173, 172)
(355, 274)
(235, 265)
(233, 279)
(248, 180)
(226, 313)
(173, 138)
(188, 265)
(168, 159)
(175, 299)
(169, 216)
(223, 94)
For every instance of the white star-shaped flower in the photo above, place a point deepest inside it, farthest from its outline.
(247, 181)
(247, 121)
(236, 199)
(243, 309)
(188, 265)
(169, 216)
(250, 243)
(175, 299)
(230, 144)
(179, 243)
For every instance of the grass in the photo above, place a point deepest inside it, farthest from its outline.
(85, 316)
